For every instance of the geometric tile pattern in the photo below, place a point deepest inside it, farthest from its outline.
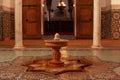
(106, 24)
(100, 70)
(115, 26)
(1, 25)
(12, 29)
(8, 24)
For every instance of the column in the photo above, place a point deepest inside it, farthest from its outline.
(42, 16)
(18, 25)
(97, 25)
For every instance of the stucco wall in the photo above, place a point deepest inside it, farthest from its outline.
(8, 3)
(113, 2)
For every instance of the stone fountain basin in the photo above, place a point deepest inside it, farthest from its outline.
(56, 43)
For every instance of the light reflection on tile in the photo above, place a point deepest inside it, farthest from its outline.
(109, 55)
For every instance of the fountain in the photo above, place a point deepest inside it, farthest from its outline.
(55, 64)
(56, 44)
(58, 67)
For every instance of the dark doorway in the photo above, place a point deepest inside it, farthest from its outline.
(58, 18)
(62, 27)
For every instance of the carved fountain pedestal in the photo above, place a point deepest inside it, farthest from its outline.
(55, 64)
(56, 55)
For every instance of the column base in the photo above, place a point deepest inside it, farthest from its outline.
(19, 48)
(96, 46)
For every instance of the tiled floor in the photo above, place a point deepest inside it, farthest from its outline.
(111, 53)
(108, 53)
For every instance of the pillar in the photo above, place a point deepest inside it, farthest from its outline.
(18, 25)
(97, 24)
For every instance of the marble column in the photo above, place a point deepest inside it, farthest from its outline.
(18, 25)
(97, 25)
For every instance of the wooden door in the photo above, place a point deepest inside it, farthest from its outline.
(31, 19)
(84, 22)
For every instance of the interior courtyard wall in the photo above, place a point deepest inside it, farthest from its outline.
(114, 2)
(110, 12)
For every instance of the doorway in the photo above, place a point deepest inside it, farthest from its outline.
(31, 19)
(75, 18)
(58, 17)
(84, 19)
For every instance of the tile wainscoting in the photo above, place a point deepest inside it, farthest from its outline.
(9, 24)
(106, 24)
(6, 25)
(115, 24)
(1, 25)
